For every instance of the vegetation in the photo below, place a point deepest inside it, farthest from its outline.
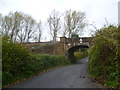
(20, 27)
(19, 63)
(80, 54)
(54, 24)
(17, 27)
(105, 53)
(74, 23)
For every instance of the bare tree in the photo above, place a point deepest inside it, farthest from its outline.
(8, 25)
(30, 28)
(18, 26)
(54, 24)
(74, 22)
(64, 32)
(39, 26)
(67, 23)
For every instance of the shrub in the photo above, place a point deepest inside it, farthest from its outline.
(103, 64)
(15, 60)
(18, 62)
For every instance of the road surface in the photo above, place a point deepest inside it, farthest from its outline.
(72, 76)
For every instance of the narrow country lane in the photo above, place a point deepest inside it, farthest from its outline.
(73, 76)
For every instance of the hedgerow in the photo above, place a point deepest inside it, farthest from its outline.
(105, 54)
(19, 63)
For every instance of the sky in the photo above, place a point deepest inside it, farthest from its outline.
(96, 10)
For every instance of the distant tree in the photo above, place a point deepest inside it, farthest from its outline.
(18, 26)
(39, 28)
(30, 27)
(65, 28)
(54, 24)
(0, 24)
(10, 24)
(74, 22)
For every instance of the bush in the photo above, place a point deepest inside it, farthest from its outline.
(80, 55)
(15, 60)
(18, 62)
(44, 62)
(105, 52)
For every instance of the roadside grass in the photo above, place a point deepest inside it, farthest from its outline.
(111, 83)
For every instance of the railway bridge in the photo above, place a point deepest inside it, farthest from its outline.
(66, 46)
(61, 47)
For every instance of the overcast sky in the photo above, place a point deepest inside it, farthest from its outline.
(96, 10)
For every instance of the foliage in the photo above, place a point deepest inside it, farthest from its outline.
(15, 60)
(105, 53)
(74, 22)
(80, 55)
(18, 62)
(20, 27)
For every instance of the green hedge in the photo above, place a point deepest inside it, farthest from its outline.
(105, 53)
(19, 63)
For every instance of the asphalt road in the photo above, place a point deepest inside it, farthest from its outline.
(72, 76)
